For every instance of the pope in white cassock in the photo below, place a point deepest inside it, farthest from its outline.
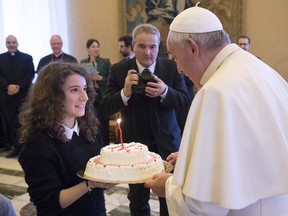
(233, 158)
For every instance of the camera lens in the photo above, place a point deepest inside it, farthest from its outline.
(146, 76)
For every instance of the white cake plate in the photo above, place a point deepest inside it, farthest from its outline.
(167, 169)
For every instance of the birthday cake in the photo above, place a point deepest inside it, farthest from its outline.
(130, 162)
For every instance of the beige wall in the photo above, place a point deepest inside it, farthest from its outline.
(264, 21)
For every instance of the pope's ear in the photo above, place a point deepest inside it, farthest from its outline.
(193, 45)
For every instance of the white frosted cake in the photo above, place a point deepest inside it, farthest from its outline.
(133, 163)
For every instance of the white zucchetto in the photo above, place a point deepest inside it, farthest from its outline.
(196, 20)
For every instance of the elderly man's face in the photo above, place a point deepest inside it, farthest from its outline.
(56, 44)
(181, 56)
(145, 48)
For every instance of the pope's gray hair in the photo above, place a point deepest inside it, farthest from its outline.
(209, 40)
(147, 28)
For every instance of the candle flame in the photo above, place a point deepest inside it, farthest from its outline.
(120, 132)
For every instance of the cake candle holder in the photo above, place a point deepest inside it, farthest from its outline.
(120, 132)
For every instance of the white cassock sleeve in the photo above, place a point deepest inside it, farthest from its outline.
(179, 204)
(175, 199)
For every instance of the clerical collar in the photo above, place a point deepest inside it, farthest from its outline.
(69, 131)
(57, 58)
(141, 68)
(58, 54)
(13, 53)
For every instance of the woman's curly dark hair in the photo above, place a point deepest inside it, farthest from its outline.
(44, 110)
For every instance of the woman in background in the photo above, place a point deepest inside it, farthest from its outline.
(99, 69)
(60, 134)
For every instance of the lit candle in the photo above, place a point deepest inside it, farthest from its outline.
(120, 132)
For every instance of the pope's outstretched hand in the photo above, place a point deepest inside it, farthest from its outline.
(157, 184)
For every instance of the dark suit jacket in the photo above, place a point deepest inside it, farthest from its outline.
(21, 73)
(49, 58)
(147, 120)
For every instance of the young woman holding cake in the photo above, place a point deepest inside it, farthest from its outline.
(60, 134)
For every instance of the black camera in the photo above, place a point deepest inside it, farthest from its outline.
(145, 77)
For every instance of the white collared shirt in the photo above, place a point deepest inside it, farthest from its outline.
(131, 56)
(141, 68)
(69, 131)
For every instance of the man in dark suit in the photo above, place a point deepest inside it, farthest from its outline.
(16, 74)
(56, 55)
(149, 113)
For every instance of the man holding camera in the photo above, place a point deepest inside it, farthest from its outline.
(148, 91)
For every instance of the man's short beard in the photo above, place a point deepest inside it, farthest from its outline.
(125, 54)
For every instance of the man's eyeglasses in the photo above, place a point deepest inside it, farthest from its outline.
(121, 46)
(242, 44)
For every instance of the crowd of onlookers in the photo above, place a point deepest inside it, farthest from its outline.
(16, 80)
(17, 71)
(155, 116)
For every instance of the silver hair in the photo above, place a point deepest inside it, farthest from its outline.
(209, 40)
(147, 28)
